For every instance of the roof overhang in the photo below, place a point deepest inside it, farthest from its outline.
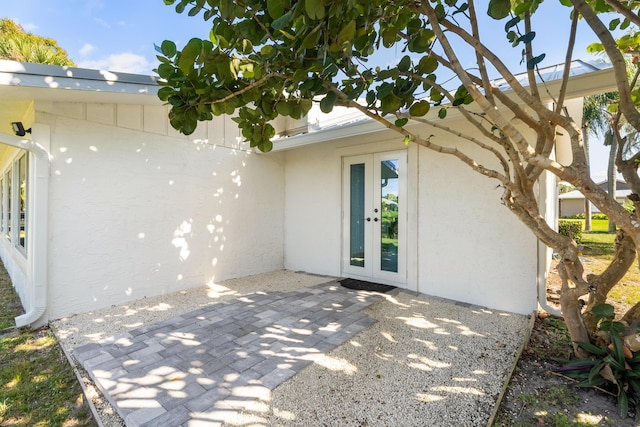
(588, 81)
(23, 84)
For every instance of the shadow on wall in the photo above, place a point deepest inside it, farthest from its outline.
(158, 215)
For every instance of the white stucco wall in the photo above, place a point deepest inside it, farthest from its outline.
(469, 247)
(139, 210)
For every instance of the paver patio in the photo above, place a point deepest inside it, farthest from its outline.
(206, 366)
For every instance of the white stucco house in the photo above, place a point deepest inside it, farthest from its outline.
(103, 202)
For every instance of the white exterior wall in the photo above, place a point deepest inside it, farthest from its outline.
(471, 247)
(463, 244)
(139, 210)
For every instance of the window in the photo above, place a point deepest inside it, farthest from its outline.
(7, 178)
(22, 181)
(2, 193)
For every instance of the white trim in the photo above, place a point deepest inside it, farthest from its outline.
(36, 260)
(373, 211)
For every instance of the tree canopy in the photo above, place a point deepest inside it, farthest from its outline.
(18, 45)
(269, 58)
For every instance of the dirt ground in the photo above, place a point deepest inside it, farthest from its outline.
(537, 396)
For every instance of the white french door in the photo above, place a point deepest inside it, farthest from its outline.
(374, 217)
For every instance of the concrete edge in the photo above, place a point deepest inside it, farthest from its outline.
(85, 397)
(510, 372)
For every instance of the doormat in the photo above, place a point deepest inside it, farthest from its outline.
(361, 285)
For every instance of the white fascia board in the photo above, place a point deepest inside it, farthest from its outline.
(25, 75)
(579, 86)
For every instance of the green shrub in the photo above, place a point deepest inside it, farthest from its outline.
(570, 229)
(599, 216)
(612, 364)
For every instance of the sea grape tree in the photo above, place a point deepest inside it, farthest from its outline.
(269, 58)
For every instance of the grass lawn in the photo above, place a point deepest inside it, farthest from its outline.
(37, 386)
(598, 252)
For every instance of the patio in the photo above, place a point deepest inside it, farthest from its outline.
(305, 351)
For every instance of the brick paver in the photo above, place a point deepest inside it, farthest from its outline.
(203, 367)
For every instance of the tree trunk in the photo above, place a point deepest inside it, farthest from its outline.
(625, 254)
(633, 314)
(571, 305)
(612, 173)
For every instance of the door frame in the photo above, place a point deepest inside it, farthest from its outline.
(372, 200)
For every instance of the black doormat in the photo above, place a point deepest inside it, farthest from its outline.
(361, 285)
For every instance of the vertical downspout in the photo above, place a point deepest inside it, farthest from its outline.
(542, 284)
(37, 243)
(548, 196)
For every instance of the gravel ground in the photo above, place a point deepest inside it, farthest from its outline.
(425, 362)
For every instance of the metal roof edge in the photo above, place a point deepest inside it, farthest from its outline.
(53, 71)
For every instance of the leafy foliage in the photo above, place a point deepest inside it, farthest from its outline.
(571, 229)
(612, 363)
(269, 58)
(18, 45)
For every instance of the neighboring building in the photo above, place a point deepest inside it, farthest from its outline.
(118, 206)
(572, 203)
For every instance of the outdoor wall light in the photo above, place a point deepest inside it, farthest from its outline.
(19, 130)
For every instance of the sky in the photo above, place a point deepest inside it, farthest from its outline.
(119, 35)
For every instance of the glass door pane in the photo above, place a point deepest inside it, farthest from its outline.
(357, 215)
(389, 198)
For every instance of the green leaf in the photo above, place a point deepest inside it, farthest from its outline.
(164, 93)
(442, 113)
(390, 103)
(327, 103)
(499, 9)
(265, 146)
(593, 349)
(617, 349)
(595, 47)
(407, 139)
(165, 70)
(311, 40)
(524, 7)
(371, 97)
(195, 10)
(623, 404)
(305, 104)
(404, 64)
(401, 122)
(389, 36)
(268, 51)
(189, 54)
(315, 9)
(463, 8)
(282, 22)
(614, 24)
(275, 8)
(511, 22)
(168, 48)
(436, 96)
(527, 38)
(531, 64)
(602, 311)
(427, 65)
(419, 109)
(284, 108)
(347, 33)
